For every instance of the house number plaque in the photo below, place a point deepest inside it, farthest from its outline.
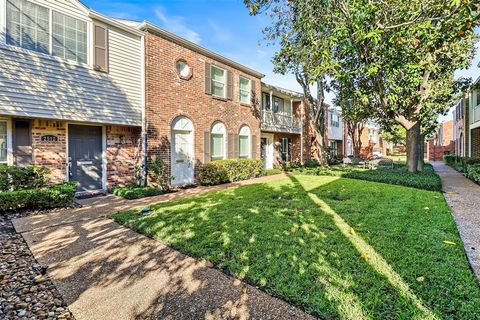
(49, 138)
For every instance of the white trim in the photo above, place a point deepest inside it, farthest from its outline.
(225, 81)
(249, 90)
(270, 152)
(144, 117)
(191, 132)
(9, 140)
(3, 21)
(249, 136)
(104, 152)
(223, 132)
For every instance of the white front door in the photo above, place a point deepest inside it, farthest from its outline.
(183, 169)
(267, 150)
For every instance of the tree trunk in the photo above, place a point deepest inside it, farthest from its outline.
(413, 139)
(421, 153)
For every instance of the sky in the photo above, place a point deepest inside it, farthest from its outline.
(223, 26)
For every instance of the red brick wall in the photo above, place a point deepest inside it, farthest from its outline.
(168, 96)
(50, 154)
(123, 155)
(438, 148)
(296, 147)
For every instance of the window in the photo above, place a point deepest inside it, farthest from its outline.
(69, 38)
(478, 97)
(218, 82)
(278, 105)
(285, 149)
(266, 101)
(334, 120)
(244, 142)
(28, 25)
(3, 142)
(218, 141)
(245, 89)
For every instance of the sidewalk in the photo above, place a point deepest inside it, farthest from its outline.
(463, 197)
(106, 271)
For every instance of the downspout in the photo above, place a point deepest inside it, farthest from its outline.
(144, 118)
(302, 119)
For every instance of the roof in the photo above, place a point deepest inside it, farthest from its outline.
(147, 26)
(283, 90)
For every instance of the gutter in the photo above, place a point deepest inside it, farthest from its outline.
(147, 26)
(97, 16)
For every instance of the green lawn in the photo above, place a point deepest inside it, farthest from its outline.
(335, 247)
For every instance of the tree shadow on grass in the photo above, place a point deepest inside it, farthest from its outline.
(292, 237)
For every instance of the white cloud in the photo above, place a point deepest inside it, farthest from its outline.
(177, 25)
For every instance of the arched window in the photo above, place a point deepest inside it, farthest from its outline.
(244, 142)
(218, 141)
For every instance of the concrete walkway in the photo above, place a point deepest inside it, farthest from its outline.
(106, 271)
(463, 197)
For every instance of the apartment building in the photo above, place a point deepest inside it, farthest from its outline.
(373, 145)
(443, 142)
(335, 133)
(472, 120)
(460, 125)
(71, 93)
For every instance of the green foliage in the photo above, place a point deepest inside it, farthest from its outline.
(427, 180)
(450, 159)
(368, 251)
(134, 191)
(272, 172)
(312, 163)
(158, 171)
(224, 171)
(58, 196)
(473, 172)
(14, 178)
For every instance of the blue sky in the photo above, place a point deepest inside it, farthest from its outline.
(223, 26)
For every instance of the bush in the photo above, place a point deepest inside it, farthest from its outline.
(427, 180)
(159, 174)
(473, 172)
(312, 163)
(58, 196)
(134, 191)
(450, 159)
(272, 172)
(225, 171)
(19, 178)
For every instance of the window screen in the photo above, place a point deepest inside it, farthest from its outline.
(69, 38)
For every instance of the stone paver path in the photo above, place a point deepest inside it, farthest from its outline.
(463, 197)
(106, 271)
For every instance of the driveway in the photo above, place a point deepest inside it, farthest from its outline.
(106, 271)
(462, 195)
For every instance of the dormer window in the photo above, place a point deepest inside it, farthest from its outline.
(69, 38)
(28, 26)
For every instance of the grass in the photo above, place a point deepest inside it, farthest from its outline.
(427, 180)
(337, 248)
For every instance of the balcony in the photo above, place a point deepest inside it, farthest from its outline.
(280, 122)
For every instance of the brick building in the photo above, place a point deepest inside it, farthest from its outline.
(443, 142)
(373, 145)
(200, 106)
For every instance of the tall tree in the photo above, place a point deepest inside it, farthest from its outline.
(407, 50)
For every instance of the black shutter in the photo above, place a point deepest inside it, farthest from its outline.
(236, 147)
(208, 78)
(206, 147)
(229, 85)
(230, 146)
(253, 94)
(254, 147)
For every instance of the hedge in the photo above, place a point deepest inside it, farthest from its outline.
(473, 172)
(427, 180)
(58, 196)
(133, 191)
(225, 171)
(19, 178)
(450, 159)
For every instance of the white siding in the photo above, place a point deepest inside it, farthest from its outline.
(37, 85)
(335, 133)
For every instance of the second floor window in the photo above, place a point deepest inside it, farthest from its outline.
(266, 101)
(478, 97)
(278, 105)
(69, 38)
(334, 120)
(245, 88)
(28, 25)
(218, 82)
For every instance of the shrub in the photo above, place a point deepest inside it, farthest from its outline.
(450, 159)
(272, 172)
(312, 163)
(427, 180)
(58, 196)
(134, 191)
(224, 171)
(18, 178)
(159, 174)
(473, 172)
